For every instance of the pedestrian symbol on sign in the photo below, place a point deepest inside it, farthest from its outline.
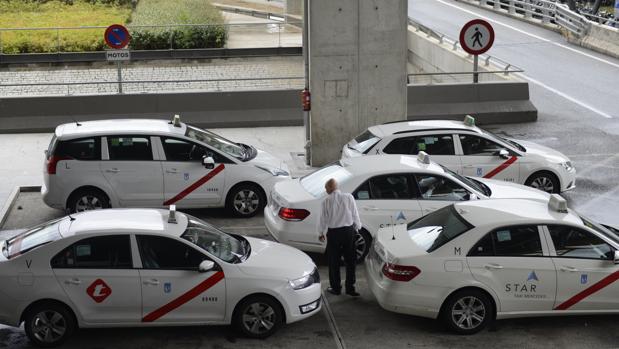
(478, 35)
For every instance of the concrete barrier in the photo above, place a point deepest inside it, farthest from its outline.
(600, 38)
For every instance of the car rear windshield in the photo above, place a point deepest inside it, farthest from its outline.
(365, 141)
(31, 239)
(314, 182)
(438, 228)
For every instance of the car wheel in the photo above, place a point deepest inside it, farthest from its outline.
(245, 200)
(49, 325)
(544, 181)
(88, 200)
(363, 241)
(258, 317)
(468, 312)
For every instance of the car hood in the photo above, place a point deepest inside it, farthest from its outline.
(274, 260)
(507, 190)
(542, 151)
(266, 159)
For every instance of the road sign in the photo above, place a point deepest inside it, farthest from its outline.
(118, 55)
(116, 36)
(476, 37)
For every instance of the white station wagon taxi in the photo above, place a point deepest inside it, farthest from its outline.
(470, 151)
(155, 163)
(149, 267)
(388, 189)
(472, 261)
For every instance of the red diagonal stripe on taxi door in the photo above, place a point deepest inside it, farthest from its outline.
(589, 291)
(195, 185)
(185, 297)
(501, 167)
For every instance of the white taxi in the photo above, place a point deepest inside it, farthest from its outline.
(149, 267)
(471, 151)
(388, 189)
(473, 261)
(155, 163)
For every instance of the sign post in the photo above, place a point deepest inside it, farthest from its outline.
(117, 37)
(476, 37)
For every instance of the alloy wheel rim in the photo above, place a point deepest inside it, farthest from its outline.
(544, 184)
(246, 201)
(360, 245)
(468, 312)
(88, 203)
(49, 326)
(259, 318)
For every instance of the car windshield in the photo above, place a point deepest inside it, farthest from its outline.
(31, 239)
(228, 248)
(609, 233)
(437, 228)
(477, 186)
(505, 140)
(314, 182)
(365, 141)
(218, 142)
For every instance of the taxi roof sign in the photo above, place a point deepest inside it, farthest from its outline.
(423, 157)
(172, 215)
(557, 203)
(176, 120)
(469, 120)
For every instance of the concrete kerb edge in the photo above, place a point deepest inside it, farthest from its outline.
(8, 205)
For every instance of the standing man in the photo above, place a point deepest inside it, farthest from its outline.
(340, 219)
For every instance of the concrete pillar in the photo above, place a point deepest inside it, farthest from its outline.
(358, 55)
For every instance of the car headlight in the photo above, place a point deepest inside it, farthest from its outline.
(305, 281)
(274, 171)
(567, 165)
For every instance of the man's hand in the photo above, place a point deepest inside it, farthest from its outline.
(321, 238)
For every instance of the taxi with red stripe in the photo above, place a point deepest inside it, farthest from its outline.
(471, 262)
(470, 151)
(149, 267)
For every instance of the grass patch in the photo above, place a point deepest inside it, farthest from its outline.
(35, 14)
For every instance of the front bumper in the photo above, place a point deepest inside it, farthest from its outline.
(568, 180)
(297, 299)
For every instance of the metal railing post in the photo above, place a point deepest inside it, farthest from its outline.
(528, 9)
(512, 7)
(279, 35)
(58, 40)
(1, 48)
(497, 4)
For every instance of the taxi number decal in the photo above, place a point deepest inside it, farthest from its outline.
(185, 297)
(195, 185)
(589, 291)
(501, 167)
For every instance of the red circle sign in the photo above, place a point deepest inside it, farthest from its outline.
(476, 37)
(117, 36)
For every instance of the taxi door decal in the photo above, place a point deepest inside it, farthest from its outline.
(501, 167)
(195, 185)
(185, 297)
(589, 291)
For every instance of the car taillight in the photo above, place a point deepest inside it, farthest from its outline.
(293, 214)
(52, 162)
(400, 272)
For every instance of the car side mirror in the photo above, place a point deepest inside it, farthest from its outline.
(473, 196)
(205, 266)
(504, 154)
(616, 259)
(208, 162)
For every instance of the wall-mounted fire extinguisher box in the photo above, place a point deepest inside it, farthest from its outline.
(306, 100)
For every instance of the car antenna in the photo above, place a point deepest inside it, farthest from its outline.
(76, 122)
(68, 211)
(392, 229)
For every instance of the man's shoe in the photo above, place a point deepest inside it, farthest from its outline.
(334, 291)
(353, 293)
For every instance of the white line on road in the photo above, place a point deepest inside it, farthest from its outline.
(337, 335)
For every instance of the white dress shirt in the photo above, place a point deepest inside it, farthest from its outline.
(338, 210)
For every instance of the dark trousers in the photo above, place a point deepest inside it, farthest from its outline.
(340, 243)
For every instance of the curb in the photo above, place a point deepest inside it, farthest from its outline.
(8, 205)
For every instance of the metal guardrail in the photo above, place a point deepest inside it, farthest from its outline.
(571, 21)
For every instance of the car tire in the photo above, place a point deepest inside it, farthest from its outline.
(49, 325)
(544, 181)
(87, 200)
(258, 316)
(245, 200)
(468, 311)
(363, 242)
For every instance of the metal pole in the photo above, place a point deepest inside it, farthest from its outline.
(306, 114)
(57, 40)
(120, 78)
(475, 66)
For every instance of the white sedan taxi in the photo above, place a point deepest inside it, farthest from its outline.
(388, 189)
(472, 262)
(470, 151)
(149, 267)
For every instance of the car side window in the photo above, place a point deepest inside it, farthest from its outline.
(571, 242)
(439, 188)
(403, 145)
(391, 187)
(179, 150)
(363, 192)
(80, 149)
(158, 252)
(431, 144)
(480, 146)
(102, 252)
(135, 148)
(516, 241)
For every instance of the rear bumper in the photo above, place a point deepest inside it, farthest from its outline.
(50, 198)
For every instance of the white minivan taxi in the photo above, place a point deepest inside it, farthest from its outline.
(470, 151)
(473, 261)
(149, 267)
(155, 163)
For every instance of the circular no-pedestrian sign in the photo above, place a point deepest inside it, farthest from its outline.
(476, 37)
(117, 36)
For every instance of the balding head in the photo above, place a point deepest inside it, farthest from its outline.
(331, 185)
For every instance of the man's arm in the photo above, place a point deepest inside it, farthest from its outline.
(355, 213)
(322, 221)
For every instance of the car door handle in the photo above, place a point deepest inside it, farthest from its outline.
(493, 266)
(112, 170)
(468, 166)
(370, 208)
(569, 269)
(74, 281)
(151, 282)
(171, 170)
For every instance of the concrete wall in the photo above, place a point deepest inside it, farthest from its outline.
(600, 38)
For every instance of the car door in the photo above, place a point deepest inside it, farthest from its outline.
(481, 158)
(173, 290)
(436, 192)
(97, 275)
(133, 170)
(515, 264)
(387, 199)
(186, 181)
(440, 147)
(586, 272)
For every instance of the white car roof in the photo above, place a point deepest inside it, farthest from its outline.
(389, 163)
(118, 126)
(513, 211)
(420, 125)
(135, 220)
